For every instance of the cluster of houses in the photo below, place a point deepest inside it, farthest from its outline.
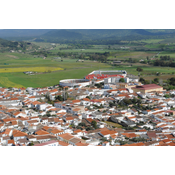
(35, 117)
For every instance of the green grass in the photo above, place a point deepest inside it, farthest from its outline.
(48, 79)
(83, 50)
(164, 53)
(130, 54)
(43, 44)
(72, 69)
(146, 69)
(149, 41)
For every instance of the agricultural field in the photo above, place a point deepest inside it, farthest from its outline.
(42, 44)
(148, 71)
(32, 69)
(84, 50)
(12, 65)
(4, 81)
(129, 54)
(164, 53)
(149, 41)
(12, 71)
(48, 45)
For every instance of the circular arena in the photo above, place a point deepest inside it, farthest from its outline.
(74, 82)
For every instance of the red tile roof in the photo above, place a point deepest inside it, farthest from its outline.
(147, 86)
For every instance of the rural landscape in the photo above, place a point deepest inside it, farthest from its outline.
(52, 55)
(87, 87)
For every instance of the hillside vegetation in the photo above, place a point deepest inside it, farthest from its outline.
(93, 36)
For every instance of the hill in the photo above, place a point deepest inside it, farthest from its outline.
(161, 30)
(91, 34)
(6, 45)
(63, 34)
(5, 33)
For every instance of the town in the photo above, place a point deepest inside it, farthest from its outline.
(106, 108)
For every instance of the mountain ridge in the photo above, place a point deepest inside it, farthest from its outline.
(52, 35)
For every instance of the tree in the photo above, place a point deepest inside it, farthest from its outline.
(127, 101)
(59, 97)
(88, 97)
(139, 69)
(139, 101)
(156, 80)
(122, 80)
(158, 73)
(30, 144)
(134, 100)
(111, 104)
(82, 124)
(142, 80)
(130, 60)
(89, 128)
(94, 124)
(48, 114)
(167, 96)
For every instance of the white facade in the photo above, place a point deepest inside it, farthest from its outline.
(123, 72)
(75, 82)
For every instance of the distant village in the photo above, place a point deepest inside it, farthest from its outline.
(102, 111)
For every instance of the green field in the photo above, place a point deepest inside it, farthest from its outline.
(151, 40)
(83, 50)
(164, 53)
(121, 55)
(71, 68)
(147, 70)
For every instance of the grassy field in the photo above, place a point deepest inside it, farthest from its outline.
(72, 69)
(147, 70)
(13, 64)
(4, 81)
(48, 45)
(164, 53)
(151, 40)
(47, 79)
(33, 69)
(135, 55)
(84, 50)
(12, 72)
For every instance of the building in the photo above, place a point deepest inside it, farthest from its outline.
(75, 82)
(49, 143)
(147, 88)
